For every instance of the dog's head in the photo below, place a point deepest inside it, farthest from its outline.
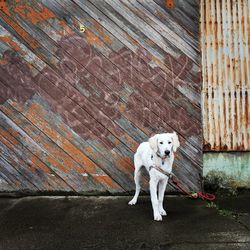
(164, 144)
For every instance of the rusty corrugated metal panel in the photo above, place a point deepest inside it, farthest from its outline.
(225, 31)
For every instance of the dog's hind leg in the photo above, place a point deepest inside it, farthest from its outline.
(137, 187)
(137, 175)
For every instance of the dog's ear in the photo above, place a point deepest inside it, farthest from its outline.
(153, 141)
(176, 143)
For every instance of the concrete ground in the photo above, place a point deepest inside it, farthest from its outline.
(109, 223)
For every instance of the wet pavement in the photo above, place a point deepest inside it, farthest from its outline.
(109, 223)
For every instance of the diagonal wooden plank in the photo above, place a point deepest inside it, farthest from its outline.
(187, 14)
(165, 17)
(96, 153)
(15, 178)
(70, 18)
(5, 186)
(130, 127)
(58, 183)
(167, 112)
(97, 175)
(110, 22)
(28, 135)
(56, 46)
(56, 93)
(20, 32)
(8, 184)
(119, 27)
(50, 179)
(93, 26)
(184, 169)
(32, 115)
(165, 21)
(22, 168)
(151, 30)
(129, 139)
(120, 162)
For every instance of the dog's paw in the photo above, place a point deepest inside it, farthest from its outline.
(132, 202)
(157, 217)
(163, 212)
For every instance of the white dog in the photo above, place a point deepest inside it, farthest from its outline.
(157, 156)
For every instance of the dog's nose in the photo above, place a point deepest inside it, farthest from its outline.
(167, 152)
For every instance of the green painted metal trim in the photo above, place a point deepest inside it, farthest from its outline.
(231, 168)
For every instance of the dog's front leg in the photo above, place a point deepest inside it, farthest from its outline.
(162, 187)
(153, 193)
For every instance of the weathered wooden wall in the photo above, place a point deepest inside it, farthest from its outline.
(75, 105)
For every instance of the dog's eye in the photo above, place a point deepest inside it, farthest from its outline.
(169, 142)
(161, 142)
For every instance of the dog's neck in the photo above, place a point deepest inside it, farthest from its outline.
(165, 162)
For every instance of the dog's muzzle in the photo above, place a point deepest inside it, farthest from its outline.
(167, 153)
(162, 157)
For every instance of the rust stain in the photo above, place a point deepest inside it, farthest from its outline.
(133, 145)
(74, 152)
(126, 165)
(65, 29)
(90, 150)
(225, 73)
(93, 39)
(177, 157)
(116, 141)
(106, 181)
(156, 60)
(100, 30)
(54, 162)
(29, 14)
(3, 61)
(8, 136)
(9, 40)
(170, 4)
(132, 40)
(36, 161)
(4, 7)
(20, 31)
(207, 147)
(29, 130)
(122, 108)
(33, 113)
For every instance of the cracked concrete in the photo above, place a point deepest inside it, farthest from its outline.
(239, 206)
(109, 223)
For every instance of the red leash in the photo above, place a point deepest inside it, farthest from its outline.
(194, 195)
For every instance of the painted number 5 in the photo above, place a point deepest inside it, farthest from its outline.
(82, 28)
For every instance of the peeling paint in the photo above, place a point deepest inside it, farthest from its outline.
(93, 39)
(230, 169)
(20, 31)
(32, 15)
(9, 40)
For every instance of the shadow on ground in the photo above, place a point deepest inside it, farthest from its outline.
(109, 223)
